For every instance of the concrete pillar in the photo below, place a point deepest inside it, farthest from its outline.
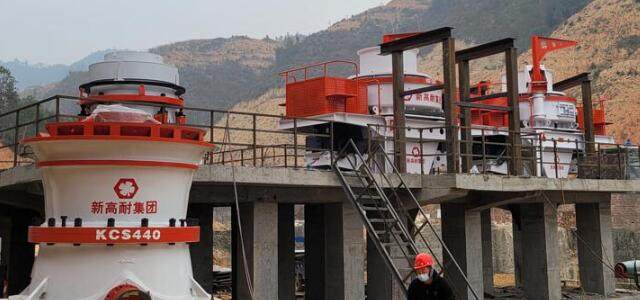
(381, 285)
(202, 252)
(353, 252)
(5, 239)
(286, 252)
(334, 252)
(260, 233)
(314, 256)
(21, 252)
(487, 251)
(539, 233)
(594, 246)
(517, 244)
(461, 232)
(5, 242)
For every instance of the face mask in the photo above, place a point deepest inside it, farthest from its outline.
(423, 277)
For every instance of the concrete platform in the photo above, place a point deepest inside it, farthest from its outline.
(429, 188)
(269, 192)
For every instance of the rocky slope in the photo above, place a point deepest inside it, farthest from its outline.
(608, 33)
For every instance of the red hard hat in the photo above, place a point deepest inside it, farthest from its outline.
(423, 260)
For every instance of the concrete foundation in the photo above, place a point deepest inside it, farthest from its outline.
(461, 232)
(334, 252)
(595, 247)
(334, 235)
(260, 234)
(540, 268)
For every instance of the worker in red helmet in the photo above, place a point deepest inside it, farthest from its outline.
(428, 285)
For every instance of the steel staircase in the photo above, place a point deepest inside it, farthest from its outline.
(376, 194)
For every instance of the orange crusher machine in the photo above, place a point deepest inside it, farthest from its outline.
(361, 107)
(116, 184)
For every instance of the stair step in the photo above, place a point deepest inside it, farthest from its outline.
(401, 257)
(384, 234)
(394, 244)
(379, 220)
(374, 208)
(370, 197)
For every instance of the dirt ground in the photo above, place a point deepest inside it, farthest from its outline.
(505, 290)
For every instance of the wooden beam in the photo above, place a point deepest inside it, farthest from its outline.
(465, 92)
(423, 90)
(399, 120)
(449, 104)
(486, 97)
(587, 113)
(483, 106)
(513, 99)
(484, 50)
(415, 41)
(571, 82)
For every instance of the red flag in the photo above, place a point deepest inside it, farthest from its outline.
(540, 46)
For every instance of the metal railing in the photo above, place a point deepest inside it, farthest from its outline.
(253, 139)
(239, 138)
(491, 145)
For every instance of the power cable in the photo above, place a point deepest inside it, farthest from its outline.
(225, 142)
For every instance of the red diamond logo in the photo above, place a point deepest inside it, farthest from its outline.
(126, 188)
(416, 152)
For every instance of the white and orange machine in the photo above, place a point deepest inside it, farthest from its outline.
(550, 120)
(116, 185)
(362, 102)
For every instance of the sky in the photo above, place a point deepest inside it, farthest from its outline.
(64, 31)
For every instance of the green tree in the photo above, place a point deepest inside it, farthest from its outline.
(8, 94)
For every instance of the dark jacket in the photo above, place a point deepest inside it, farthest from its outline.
(438, 289)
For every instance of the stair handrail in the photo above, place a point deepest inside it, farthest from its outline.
(370, 229)
(442, 243)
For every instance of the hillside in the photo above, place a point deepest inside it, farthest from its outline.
(36, 77)
(609, 36)
(217, 73)
(221, 72)
(608, 33)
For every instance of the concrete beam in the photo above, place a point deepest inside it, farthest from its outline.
(260, 235)
(595, 246)
(202, 252)
(290, 177)
(224, 195)
(461, 232)
(498, 183)
(539, 248)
